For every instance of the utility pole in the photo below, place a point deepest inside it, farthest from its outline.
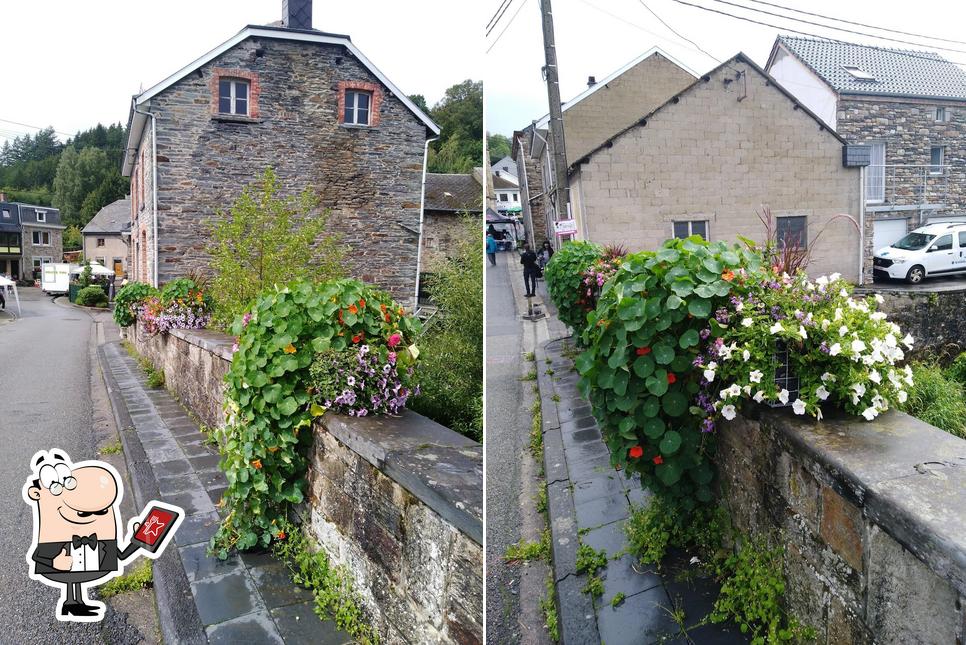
(561, 193)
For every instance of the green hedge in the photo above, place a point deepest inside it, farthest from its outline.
(564, 276)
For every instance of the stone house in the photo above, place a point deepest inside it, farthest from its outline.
(305, 102)
(506, 168)
(908, 107)
(106, 236)
(507, 194)
(447, 198)
(606, 107)
(708, 157)
(30, 236)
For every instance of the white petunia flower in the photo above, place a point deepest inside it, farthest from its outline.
(745, 355)
(828, 377)
(859, 389)
(907, 341)
(759, 396)
(709, 375)
(902, 396)
(825, 324)
(783, 396)
(870, 413)
(838, 314)
(802, 332)
(818, 414)
(729, 412)
(908, 371)
(879, 299)
(844, 293)
(798, 406)
(835, 349)
(878, 315)
(821, 280)
(747, 322)
(843, 330)
(755, 376)
(739, 306)
(857, 346)
(821, 393)
(875, 377)
(776, 328)
(834, 277)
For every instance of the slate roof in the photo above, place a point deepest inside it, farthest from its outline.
(112, 219)
(897, 72)
(453, 193)
(501, 183)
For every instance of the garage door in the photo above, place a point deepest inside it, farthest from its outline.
(887, 231)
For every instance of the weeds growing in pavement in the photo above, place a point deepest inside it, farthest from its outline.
(549, 606)
(112, 448)
(594, 587)
(527, 551)
(618, 599)
(140, 577)
(530, 376)
(590, 560)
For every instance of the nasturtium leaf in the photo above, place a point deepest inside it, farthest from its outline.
(681, 363)
(688, 339)
(653, 307)
(626, 428)
(287, 406)
(730, 258)
(620, 382)
(673, 302)
(675, 403)
(682, 288)
(651, 406)
(699, 308)
(584, 362)
(704, 494)
(713, 266)
(667, 255)
(670, 443)
(654, 428)
(669, 472)
(705, 290)
(616, 359)
(722, 288)
(663, 353)
(605, 377)
(643, 366)
(657, 384)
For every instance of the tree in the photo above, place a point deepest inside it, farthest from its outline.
(420, 102)
(73, 239)
(266, 240)
(460, 117)
(85, 182)
(498, 146)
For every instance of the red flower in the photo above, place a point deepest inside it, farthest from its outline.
(394, 340)
(357, 338)
(643, 351)
(353, 309)
(636, 452)
(658, 460)
(671, 378)
(362, 304)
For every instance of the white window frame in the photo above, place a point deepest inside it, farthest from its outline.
(504, 197)
(942, 115)
(880, 174)
(935, 169)
(41, 216)
(690, 223)
(100, 261)
(354, 108)
(43, 259)
(42, 234)
(233, 99)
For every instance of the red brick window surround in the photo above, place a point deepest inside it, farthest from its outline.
(254, 89)
(375, 92)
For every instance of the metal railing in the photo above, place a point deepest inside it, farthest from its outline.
(914, 185)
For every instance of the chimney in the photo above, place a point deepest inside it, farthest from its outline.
(297, 14)
(591, 81)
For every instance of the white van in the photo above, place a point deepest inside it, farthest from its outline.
(932, 250)
(55, 278)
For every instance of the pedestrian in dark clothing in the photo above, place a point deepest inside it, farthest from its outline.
(544, 255)
(531, 270)
(3, 303)
(491, 249)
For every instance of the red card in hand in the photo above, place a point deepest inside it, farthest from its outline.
(156, 526)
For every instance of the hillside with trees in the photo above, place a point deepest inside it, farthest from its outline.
(78, 177)
(459, 115)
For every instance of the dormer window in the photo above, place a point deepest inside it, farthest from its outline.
(858, 73)
(358, 105)
(233, 96)
(41, 216)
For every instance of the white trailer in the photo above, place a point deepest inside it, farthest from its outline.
(55, 278)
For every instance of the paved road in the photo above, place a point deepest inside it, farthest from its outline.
(44, 402)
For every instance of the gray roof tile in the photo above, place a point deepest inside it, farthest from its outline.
(113, 218)
(453, 192)
(897, 72)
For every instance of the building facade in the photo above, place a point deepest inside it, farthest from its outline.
(307, 104)
(708, 158)
(449, 198)
(907, 107)
(106, 236)
(30, 236)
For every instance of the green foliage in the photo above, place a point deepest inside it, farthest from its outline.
(541, 498)
(127, 300)
(594, 587)
(268, 401)
(590, 560)
(86, 276)
(617, 600)
(527, 551)
(86, 181)
(549, 606)
(653, 529)
(957, 370)
(73, 239)
(331, 586)
(265, 240)
(451, 357)
(638, 370)
(536, 432)
(140, 577)
(460, 117)
(111, 448)
(175, 290)
(498, 146)
(155, 378)
(92, 296)
(564, 275)
(938, 398)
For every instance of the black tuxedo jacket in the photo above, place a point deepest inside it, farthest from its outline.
(43, 556)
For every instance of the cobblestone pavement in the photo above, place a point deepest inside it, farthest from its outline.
(589, 503)
(248, 598)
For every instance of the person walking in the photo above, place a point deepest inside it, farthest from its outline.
(544, 255)
(531, 270)
(491, 249)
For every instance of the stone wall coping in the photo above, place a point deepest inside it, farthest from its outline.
(212, 341)
(921, 289)
(907, 476)
(438, 466)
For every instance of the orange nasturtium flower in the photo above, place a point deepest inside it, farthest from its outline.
(289, 349)
(280, 535)
(658, 460)
(353, 309)
(257, 464)
(635, 452)
(728, 275)
(362, 303)
(357, 338)
(671, 378)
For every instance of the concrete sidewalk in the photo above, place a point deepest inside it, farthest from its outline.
(247, 598)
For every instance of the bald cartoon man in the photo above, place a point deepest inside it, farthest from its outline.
(76, 518)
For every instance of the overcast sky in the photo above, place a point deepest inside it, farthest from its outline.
(596, 37)
(74, 63)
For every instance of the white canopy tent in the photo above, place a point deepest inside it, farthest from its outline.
(96, 269)
(7, 286)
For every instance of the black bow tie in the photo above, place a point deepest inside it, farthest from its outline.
(89, 540)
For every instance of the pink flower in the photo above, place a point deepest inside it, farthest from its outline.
(392, 357)
(394, 340)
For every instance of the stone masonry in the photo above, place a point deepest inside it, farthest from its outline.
(717, 153)
(870, 516)
(369, 178)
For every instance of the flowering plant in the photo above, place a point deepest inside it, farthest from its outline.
(564, 276)
(159, 317)
(839, 349)
(362, 380)
(597, 274)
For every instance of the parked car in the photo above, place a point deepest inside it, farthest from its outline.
(932, 250)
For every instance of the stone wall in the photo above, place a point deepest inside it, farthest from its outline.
(369, 178)
(397, 500)
(933, 315)
(441, 231)
(871, 516)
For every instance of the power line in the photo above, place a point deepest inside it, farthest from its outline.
(33, 127)
(858, 24)
(842, 29)
(496, 16)
(812, 35)
(676, 33)
(512, 18)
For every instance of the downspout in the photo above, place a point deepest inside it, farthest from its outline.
(422, 204)
(154, 189)
(862, 170)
